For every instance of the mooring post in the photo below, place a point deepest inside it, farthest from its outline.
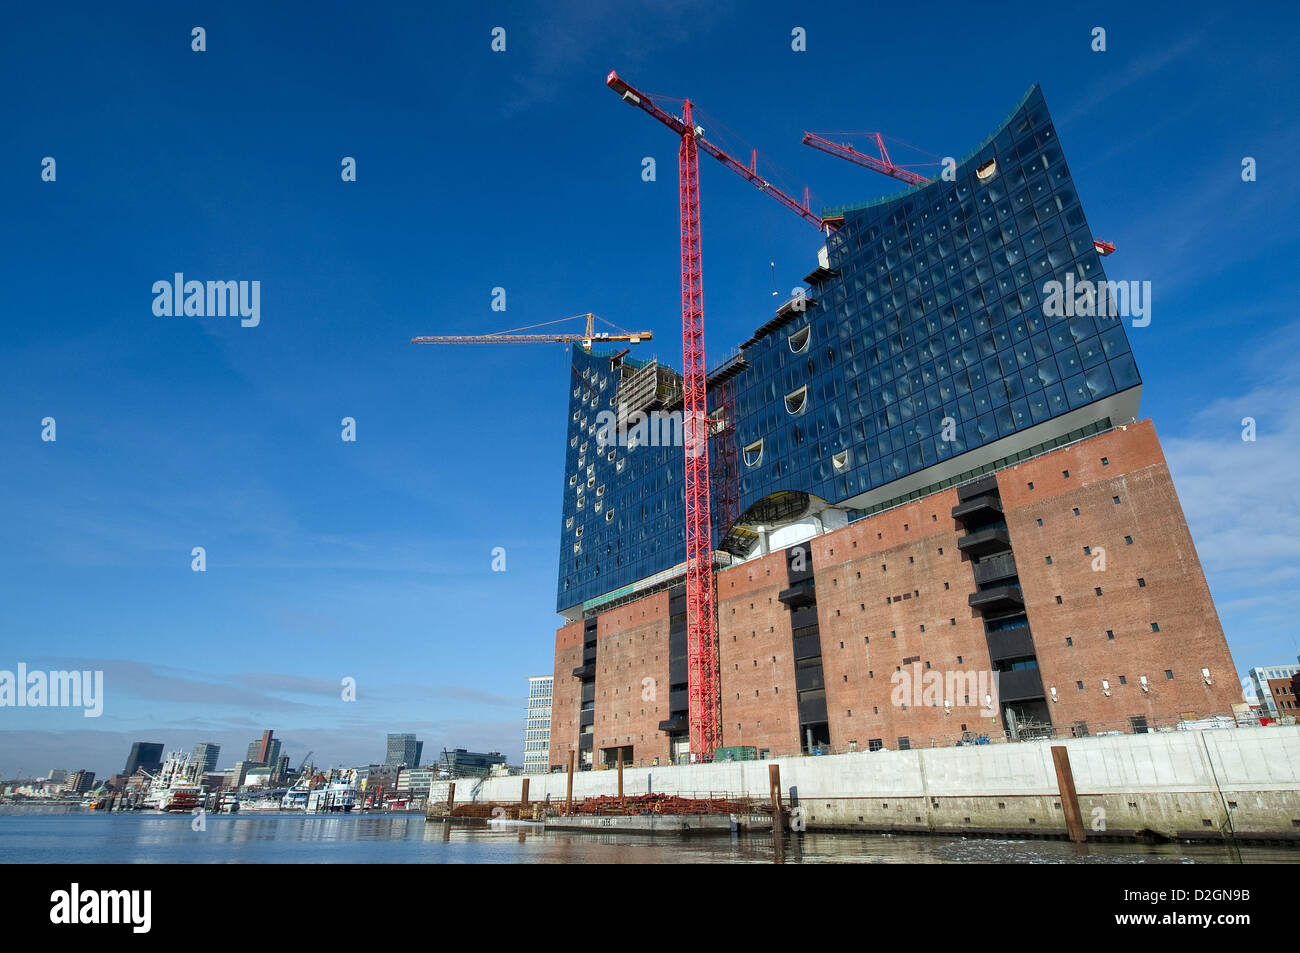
(1069, 799)
(774, 784)
(451, 797)
(523, 797)
(620, 772)
(568, 796)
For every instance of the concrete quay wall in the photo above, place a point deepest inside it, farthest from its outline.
(1174, 784)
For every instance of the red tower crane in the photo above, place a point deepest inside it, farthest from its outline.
(884, 164)
(705, 723)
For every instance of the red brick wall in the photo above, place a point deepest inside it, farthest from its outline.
(632, 645)
(867, 635)
(756, 657)
(565, 694)
(1175, 595)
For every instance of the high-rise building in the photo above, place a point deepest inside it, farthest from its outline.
(280, 770)
(146, 755)
(404, 749)
(537, 724)
(79, 782)
(205, 756)
(265, 750)
(926, 465)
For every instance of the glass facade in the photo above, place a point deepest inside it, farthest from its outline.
(622, 514)
(931, 312)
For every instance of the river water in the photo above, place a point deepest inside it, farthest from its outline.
(406, 838)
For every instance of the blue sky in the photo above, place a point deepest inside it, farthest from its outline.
(476, 170)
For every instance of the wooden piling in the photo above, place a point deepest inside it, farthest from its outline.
(1069, 799)
(568, 794)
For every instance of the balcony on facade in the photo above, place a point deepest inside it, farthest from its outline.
(1010, 643)
(1002, 598)
(674, 725)
(985, 542)
(1020, 684)
(980, 509)
(800, 595)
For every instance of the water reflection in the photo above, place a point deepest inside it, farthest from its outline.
(377, 838)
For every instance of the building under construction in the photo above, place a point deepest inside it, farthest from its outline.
(936, 516)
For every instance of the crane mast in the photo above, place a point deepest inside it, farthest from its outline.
(702, 657)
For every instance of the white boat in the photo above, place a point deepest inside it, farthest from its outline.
(175, 787)
(295, 799)
(338, 794)
(262, 804)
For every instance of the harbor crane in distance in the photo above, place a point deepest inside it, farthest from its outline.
(702, 655)
(885, 165)
(510, 337)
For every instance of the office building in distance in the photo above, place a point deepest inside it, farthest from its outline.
(936, 514)
(537, 725)
(265, 750)
(1275, 691)
(146, 756)
(404, 749)
(79, 782)
(205, 755)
